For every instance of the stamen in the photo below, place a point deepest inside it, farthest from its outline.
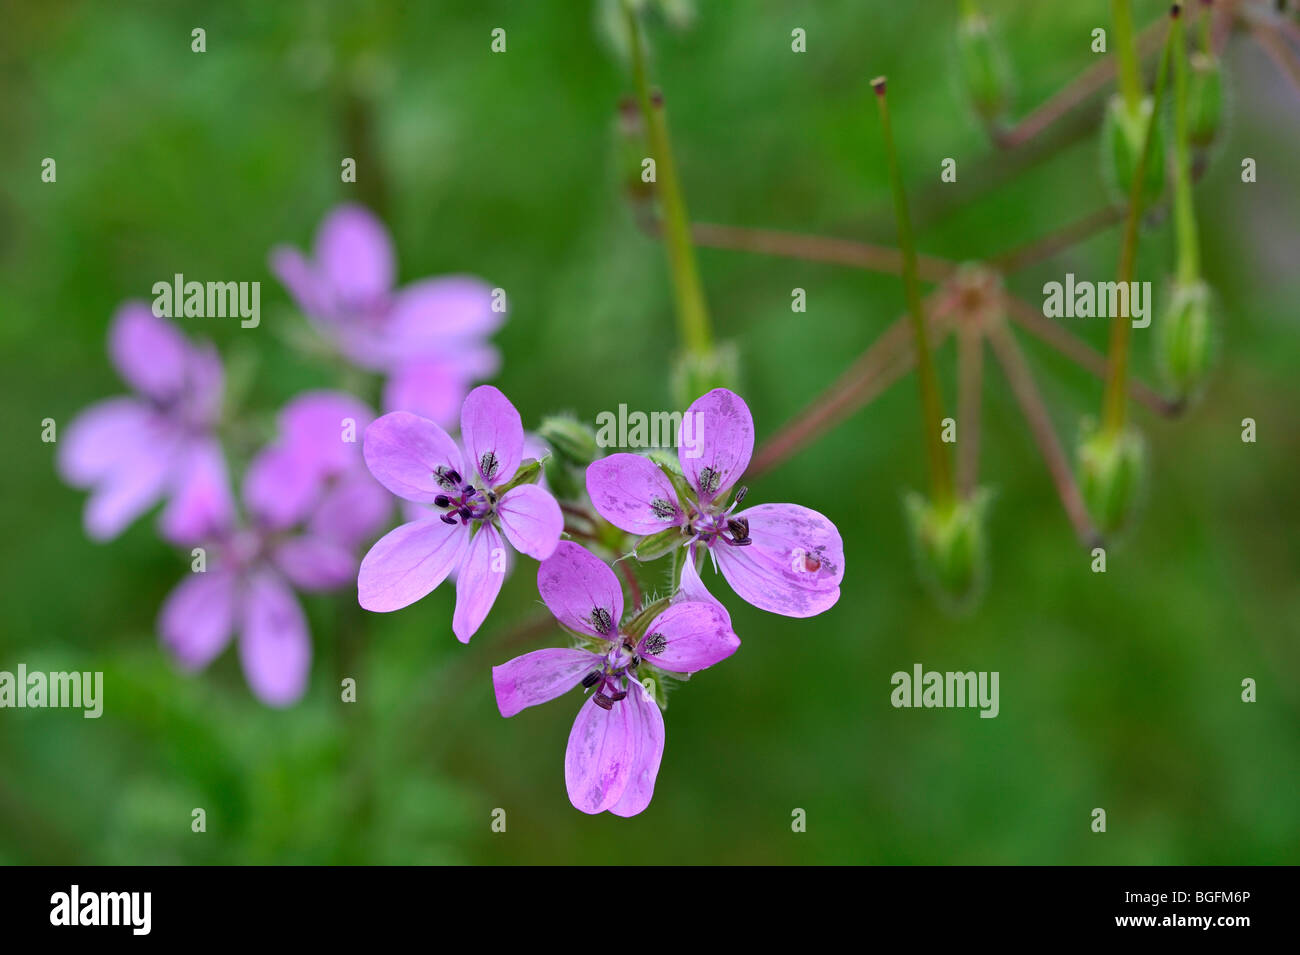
(620, 695)
(448, 519)
(590, 679)
(739, 527)
(442, 500)
(601, 620)
(604, 702)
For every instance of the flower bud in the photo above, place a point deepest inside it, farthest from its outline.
(1111, 471)
(1204, 100)
(983, 66)
(571, 439)
(1123, 135)
(948, 545)
(1185, 340)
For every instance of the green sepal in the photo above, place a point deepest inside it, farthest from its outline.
(530, 472)
(653, 546)
(948, 544)
(1112, 466)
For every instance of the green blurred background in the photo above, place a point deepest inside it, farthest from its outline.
(1119, 691)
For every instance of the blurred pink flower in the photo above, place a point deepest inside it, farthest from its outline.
(158, 443)
(429, 337)
(311, 503)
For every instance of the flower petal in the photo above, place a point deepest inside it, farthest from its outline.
(321, 427)
(532, 520)
(715, 441)
(274, 643)
(691, 587)
(280, 487)
(315, 563)
(102, 437)
(306, 286)
(575, 584)
(403, 451)
(353, 510)
(540, 676)
(688, 636)
(432, 312)
(794, 565)
(601, 754)
(355, 254)
(493, 434)
(648, 723)
(148, 351)
(409, 562)
(132, 488)
(201, 504)
(198, 617)
(632, 493)
(478, 581)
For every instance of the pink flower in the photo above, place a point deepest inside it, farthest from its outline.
(428, 337)
(472, 509)
(617, 740)
(158, 443)
(782, 558)
(311, 503)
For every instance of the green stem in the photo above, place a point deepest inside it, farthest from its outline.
(692, 312)
(1115, 399)
(1189, 255)
(931, 399)
(1207, 38)
(1130, 83)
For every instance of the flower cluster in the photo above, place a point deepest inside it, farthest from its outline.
(322, 489)
(779, 557)
(307, 502)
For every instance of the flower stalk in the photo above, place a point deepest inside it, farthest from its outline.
(692, 311)
(1130, 84)
(931, 399)
(1114, 404)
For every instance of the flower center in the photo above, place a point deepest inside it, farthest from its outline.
(462, 501)
(708, 526)
(610, 678)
